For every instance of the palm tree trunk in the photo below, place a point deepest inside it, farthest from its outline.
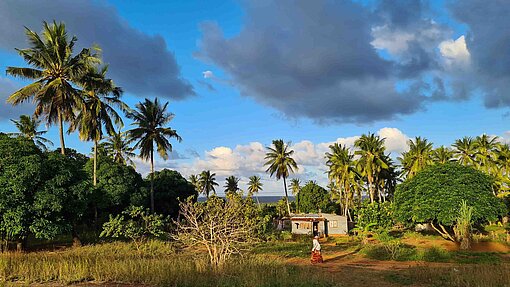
(61, 124)
(370, 189)
(95, 163)
(257, 197)
(286, 194)
(152, 180)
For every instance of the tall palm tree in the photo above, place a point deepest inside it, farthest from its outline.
(255, 186)
(101, 96)
(342, 172)
(195, 181)
(27, 127)
(117, 145)
(484, 156)
(231, 184)
(465, 150)
(207, 182)
(442, 154)
(150, 119)
(372, 159)
(53, 70)
(280, 163)
(295, 188)
(502, 168)
(417, 157)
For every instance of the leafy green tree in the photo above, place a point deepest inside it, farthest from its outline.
(434, 196)
(53, 70)
(28, 127)
(372, 159)
(280, 163)
(255, 186)
(314, 198)
(207, 181)
(231, 184)
(171, 189)
(418, 157)
(150, 119)
(117, 147)
(377, 215)
(101, 97)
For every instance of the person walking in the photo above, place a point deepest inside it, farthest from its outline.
(316, 251)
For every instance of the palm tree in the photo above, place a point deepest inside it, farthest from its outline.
(342, 173)
(117, 146)
(53, 70)
(465, 151)
(295, 188)
(27, 127)
(418, 157)
(195, 181)
(372, 159)
(207, 182)
(100, 97)
(150, 120)
(442, 154)
(255, 186)
(280, 162)
(231, 184)
(484, 156)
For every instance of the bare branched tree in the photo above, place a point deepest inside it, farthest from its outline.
(222, 227)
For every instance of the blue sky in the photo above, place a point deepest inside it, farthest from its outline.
(255, 98)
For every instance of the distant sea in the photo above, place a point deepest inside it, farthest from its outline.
(262, 199)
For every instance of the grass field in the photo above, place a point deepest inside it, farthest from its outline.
(268, 264)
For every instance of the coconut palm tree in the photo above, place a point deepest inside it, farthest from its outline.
(417, 157)
(207, 182)
(53, 70)
(195, 181)
(231, 184)
(117, 145)
(442, 154)
(372, 159)
(465, 151)
(342, 171)
(150, 119)
(27, 127)
(255, 186)
(484, 156)
(295, 188)
(101, 96)
(280, 163)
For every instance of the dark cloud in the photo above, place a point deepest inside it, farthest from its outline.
(7, 111)
(488, 41)
(311, 59)
(140, 63)
(401, 12)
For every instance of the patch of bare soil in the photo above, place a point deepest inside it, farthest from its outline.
(451, 246)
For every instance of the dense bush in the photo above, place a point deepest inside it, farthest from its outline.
(377, 215)
(313, 197)
(170, 188)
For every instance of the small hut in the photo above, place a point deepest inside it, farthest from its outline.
(322, 224)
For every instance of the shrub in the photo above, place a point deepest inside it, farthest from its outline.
(136, 224)
(379, 215)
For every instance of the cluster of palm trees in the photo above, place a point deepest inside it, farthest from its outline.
(74, 89)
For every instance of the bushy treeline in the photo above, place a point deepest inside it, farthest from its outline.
(44, 194)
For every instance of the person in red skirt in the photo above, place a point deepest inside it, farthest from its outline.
(316, 251)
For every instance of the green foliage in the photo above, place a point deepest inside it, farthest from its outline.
(118, 185)
(378, 214)
(313, 198)
(136, 224)
(464, 224)
(434, 195)
(170, 188)
(40, 194)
